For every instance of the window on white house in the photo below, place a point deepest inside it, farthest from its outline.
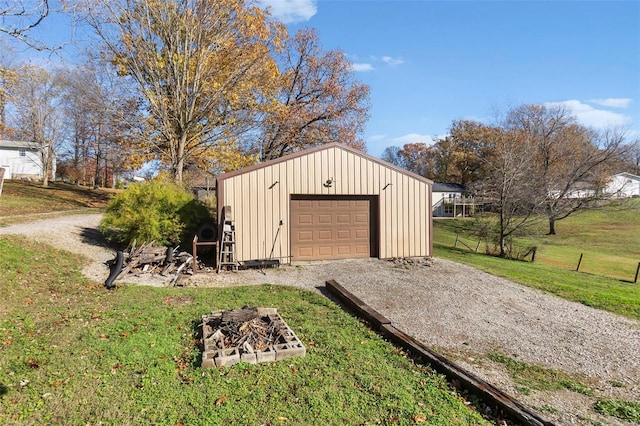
(23, 152)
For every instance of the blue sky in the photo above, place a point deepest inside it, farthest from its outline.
(431, 62)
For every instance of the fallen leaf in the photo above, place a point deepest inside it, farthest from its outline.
(419, 418)
(221, 400)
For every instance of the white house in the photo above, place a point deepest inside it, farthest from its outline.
(22, 160)
(449, 200)
(623, 185)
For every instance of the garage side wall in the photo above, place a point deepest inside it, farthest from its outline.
(260, 201)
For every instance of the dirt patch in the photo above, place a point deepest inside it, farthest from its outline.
(460, 311)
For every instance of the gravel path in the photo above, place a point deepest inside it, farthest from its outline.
(458, 310)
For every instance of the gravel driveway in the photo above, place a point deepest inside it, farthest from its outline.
(457, 310)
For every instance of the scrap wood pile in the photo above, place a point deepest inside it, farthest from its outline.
(149, 259)
(251, 329)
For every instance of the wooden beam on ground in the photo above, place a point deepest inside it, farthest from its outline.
(475, 385)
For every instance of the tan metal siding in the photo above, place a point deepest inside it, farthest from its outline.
(403, 220)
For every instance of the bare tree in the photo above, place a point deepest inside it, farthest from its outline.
(19, 17)
(35, 97)
(509, 185)
(567, 156)
(102, 118)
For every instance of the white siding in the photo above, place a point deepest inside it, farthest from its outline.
(260, 199)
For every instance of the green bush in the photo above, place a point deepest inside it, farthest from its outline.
(153, 211)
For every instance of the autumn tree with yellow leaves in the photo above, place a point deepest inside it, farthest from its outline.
(201, 66)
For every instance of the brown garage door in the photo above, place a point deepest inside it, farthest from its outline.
(332, 227)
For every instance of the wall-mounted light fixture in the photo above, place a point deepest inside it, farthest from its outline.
(328, 183)
(387, 185)
(273, 184)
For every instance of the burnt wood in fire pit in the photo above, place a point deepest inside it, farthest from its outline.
(249, 334)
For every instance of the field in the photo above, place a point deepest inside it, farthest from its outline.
(608, 240)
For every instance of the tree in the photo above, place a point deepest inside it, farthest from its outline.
(19, 17)
(391, 154)
(460, 157)
(102, 119)
(508, 182)
(317, 100)
(566, 155)
(201, 67)
(35, 97)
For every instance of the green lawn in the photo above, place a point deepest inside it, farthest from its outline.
(609, 240)
(72, 352)
(28, 198)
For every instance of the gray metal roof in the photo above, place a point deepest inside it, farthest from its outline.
(447, 187)
(18, 144)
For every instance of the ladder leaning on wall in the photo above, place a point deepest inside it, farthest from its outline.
(227, 257)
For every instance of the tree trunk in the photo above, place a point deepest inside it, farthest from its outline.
(552, 226)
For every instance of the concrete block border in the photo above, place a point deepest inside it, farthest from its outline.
(473, 384)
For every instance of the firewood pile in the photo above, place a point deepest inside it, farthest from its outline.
(250, 335)
(149, 259)
(244, 328)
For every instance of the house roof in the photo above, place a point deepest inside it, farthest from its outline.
(321, 148)
(448, 187)
(18, 144)
(627, 175)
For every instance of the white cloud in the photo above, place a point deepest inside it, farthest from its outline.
(392, 61)
(612, 102)
(412, 138)
(376, 138)
(362, 67)
(290, 11)
(592, 117)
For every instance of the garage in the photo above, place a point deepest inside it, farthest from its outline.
(324, 203)
(332, 227)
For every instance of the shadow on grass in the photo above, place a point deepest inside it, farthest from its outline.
(3, 390)
(93, 236)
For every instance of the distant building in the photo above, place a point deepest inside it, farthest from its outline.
(450, 200)
(623, 185)
(23, 160)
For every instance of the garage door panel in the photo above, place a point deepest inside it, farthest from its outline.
(304, 219)
(343, 234)
(343, 218)
(361, 218)
(325, 251)
(324, 219)
(305, 235)
(328, 228)
(362, 249)
(361, 234)
(325, 235)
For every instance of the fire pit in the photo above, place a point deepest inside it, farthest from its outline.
(250, 335)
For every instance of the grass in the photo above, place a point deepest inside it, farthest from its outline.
(73, 353)
(530, 376)
(20, 199)
(626, 410)
(599, 288)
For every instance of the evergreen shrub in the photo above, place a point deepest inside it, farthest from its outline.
(156, 211)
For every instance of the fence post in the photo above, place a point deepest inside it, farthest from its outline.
(456, 243)
(579, 262)
(635, 280)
